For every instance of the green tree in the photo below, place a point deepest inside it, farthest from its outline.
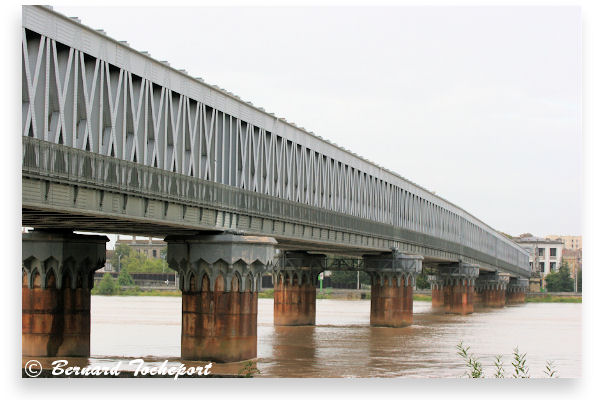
(423, 282)
(560, 281)
(138, 263)
(107, 285)
(579, 280)
(135, 262)
(121, 251)
(157, 265)
(124, 278)
(348, 278)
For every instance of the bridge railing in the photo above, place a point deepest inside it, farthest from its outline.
(62, 163)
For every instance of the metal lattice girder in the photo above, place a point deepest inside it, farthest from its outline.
(84, 90)
(346, 264)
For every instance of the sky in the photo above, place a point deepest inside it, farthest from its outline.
(481, 105)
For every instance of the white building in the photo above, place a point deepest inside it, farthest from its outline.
(545, 255)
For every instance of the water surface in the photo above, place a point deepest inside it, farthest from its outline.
(342, 344)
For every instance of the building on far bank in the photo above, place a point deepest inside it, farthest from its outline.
(151, 247)
(571, 242)
(573, 259)
(545, 255)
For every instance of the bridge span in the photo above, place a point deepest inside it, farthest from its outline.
(114, 141)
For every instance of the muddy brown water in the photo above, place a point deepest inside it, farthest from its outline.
(342, 344)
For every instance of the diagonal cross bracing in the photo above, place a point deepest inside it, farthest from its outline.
(84, 90)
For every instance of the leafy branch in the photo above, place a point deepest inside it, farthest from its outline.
(249, 369)
(519, 364)
(499, 367)
(550, 370)
(474, 367)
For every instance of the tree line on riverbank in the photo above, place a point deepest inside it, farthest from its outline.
(128, 261)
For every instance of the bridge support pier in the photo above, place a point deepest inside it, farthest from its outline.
(393, 277)
(516, 291)
(490, 290)
(452, 289)
(295, 288)
(58, 275)
(220, 278)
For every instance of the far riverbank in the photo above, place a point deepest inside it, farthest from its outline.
(346, 294)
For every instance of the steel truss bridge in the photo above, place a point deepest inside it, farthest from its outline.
(115, 141)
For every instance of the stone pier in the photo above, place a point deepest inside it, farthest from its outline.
(393, 277)
(453, 288)
(516, 290)
(295, 288)
(490, 290)
(220, 279)
(57, 278)
(437, 293)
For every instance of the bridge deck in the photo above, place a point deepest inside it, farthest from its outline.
(116, 141)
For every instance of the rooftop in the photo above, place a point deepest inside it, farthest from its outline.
(535, 239)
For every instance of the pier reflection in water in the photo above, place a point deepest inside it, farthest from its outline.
(342, 344)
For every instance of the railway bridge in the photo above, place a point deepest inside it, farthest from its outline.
(114, 141)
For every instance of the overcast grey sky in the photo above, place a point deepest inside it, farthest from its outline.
(481, 105)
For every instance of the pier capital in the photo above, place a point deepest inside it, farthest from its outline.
(393, 267)
(493, 281)
(224, 259)
(300, 266)
(61, 256)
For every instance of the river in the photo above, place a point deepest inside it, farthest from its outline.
(342, 344)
